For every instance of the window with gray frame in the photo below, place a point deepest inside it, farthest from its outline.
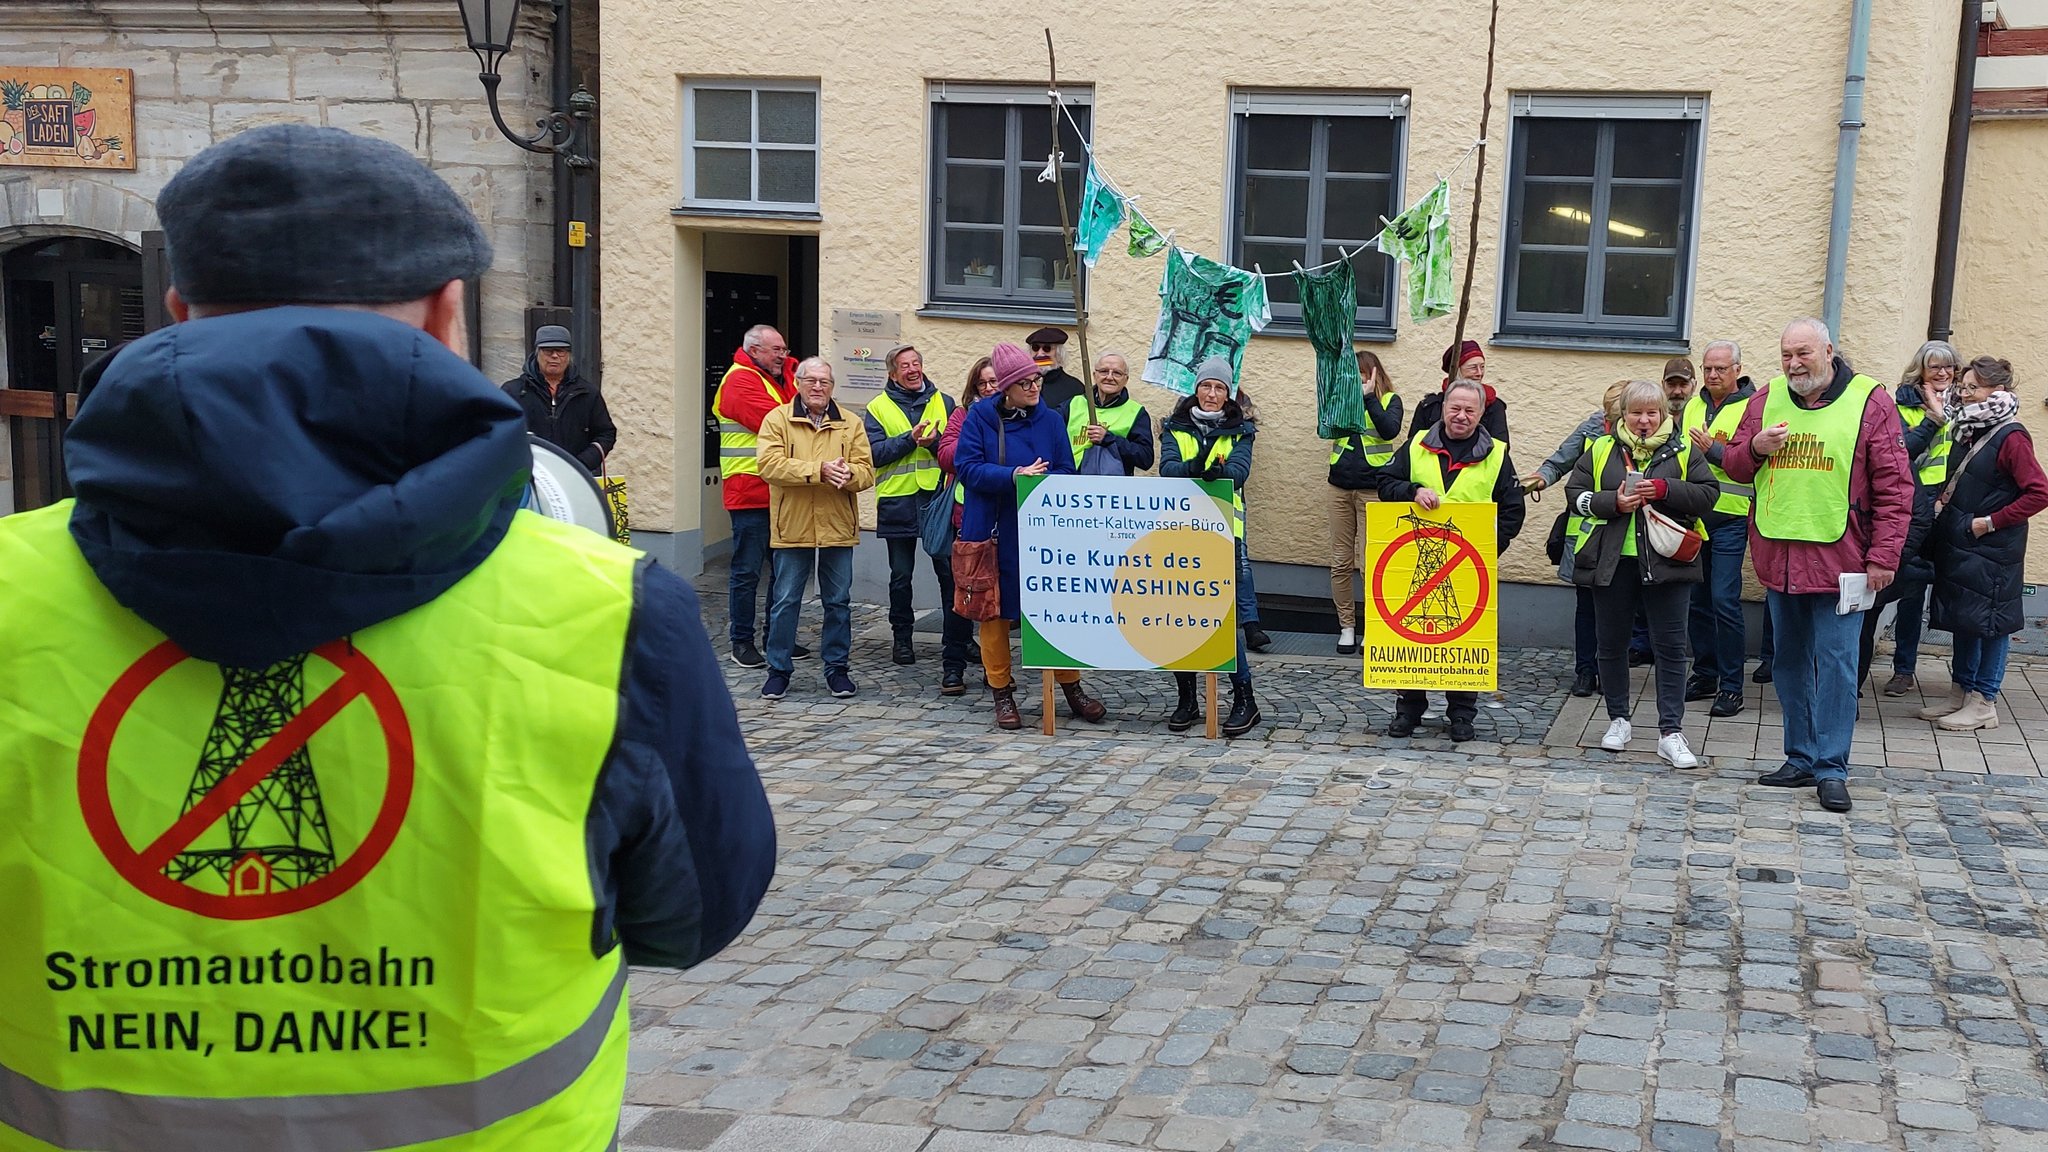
(751, 145)
(1602, 199)
(1313, 174)
(996, 239)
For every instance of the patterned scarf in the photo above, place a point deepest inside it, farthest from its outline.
(1976, 419)
(1641, 448)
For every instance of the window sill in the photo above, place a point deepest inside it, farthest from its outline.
(1040, 314)
(798, 215)
(1659, 346)
(1359, 335)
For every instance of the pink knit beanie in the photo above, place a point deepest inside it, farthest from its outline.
(1011, 364)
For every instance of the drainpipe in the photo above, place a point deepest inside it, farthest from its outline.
(1954, 166)
(1845, 167)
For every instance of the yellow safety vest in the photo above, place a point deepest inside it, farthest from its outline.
(1119, 420)
(1803, 491)
(736, 442)
(1575, 524)
(1370, 444)
(1472, 484)
(396, 951)
(1934, 464)
(1735, 498)
(1219, 451)
(1603, 450)
(919, 471)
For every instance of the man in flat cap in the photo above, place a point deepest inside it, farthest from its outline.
(294, 678)
(562, 407)
(1049, 348)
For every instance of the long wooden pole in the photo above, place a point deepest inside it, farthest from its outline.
(1478, 188)
(1059, 183)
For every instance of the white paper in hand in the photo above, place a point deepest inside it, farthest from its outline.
(1857, 595)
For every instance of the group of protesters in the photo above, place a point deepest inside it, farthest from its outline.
(1847, 498)
(1819, 474)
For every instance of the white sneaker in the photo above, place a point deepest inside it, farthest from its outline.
(1347, 640)
(1618, 734)
(1673, 750)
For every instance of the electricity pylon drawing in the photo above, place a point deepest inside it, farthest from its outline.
(1438, 610)
(280, 824)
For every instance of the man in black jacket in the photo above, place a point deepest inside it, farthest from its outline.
(1436, 466)
(563, 408)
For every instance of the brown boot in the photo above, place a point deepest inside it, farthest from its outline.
(1082, 705)
(1006, 709)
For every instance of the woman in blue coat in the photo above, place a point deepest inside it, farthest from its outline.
(1004, 436)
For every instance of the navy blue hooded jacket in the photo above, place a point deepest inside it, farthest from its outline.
(258, 484)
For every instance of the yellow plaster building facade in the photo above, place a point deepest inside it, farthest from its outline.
(1657, 177)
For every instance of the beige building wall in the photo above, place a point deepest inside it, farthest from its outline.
(1772, 76)
(2000, 307)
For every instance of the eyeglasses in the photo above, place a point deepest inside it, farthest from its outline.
(1112, 373)
(1945, 369)
(1030, 382)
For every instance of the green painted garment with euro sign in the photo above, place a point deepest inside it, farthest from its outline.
(1329, 310)
(1145, 239)
(1102, 212)
(1205, 309)
(1421, 239)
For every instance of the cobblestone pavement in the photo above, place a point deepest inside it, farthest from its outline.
(1323, 940)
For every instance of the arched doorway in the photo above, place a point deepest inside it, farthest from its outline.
(65, 301)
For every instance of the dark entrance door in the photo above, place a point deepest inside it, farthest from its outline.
(67, 301)
(733, 303)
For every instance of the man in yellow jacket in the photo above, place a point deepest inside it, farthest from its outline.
(814, 458)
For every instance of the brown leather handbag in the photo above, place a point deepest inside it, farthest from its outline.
(977, 569)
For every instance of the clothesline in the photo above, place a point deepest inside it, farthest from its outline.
(1102, 174)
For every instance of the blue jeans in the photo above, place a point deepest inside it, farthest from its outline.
(1979, 664)
(742, 586)
(1247, 596)
(791, 572)
(1816, 680)
(1719, 642)
(955, 630)
(1906, 629)
(1585, 659)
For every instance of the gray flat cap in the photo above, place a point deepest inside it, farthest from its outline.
(295, 214)
(551, 336)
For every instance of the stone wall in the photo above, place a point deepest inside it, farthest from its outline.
(395, 69)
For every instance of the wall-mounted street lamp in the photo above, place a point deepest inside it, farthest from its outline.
(490, 25)
(565, 134)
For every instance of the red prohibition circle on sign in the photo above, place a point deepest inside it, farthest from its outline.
(1462, 548)
(144, 870)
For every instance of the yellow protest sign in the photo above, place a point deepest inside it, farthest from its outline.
(1432, 596)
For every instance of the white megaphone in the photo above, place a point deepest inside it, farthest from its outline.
(563, 489)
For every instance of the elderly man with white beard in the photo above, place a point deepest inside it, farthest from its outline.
(1826, 453)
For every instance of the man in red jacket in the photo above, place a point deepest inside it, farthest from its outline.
(760, 380)
(1826, 453)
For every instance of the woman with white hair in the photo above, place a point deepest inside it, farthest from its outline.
(1923, 397)
(1631, 559)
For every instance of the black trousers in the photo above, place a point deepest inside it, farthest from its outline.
(1457, 705)
(1669, 608)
